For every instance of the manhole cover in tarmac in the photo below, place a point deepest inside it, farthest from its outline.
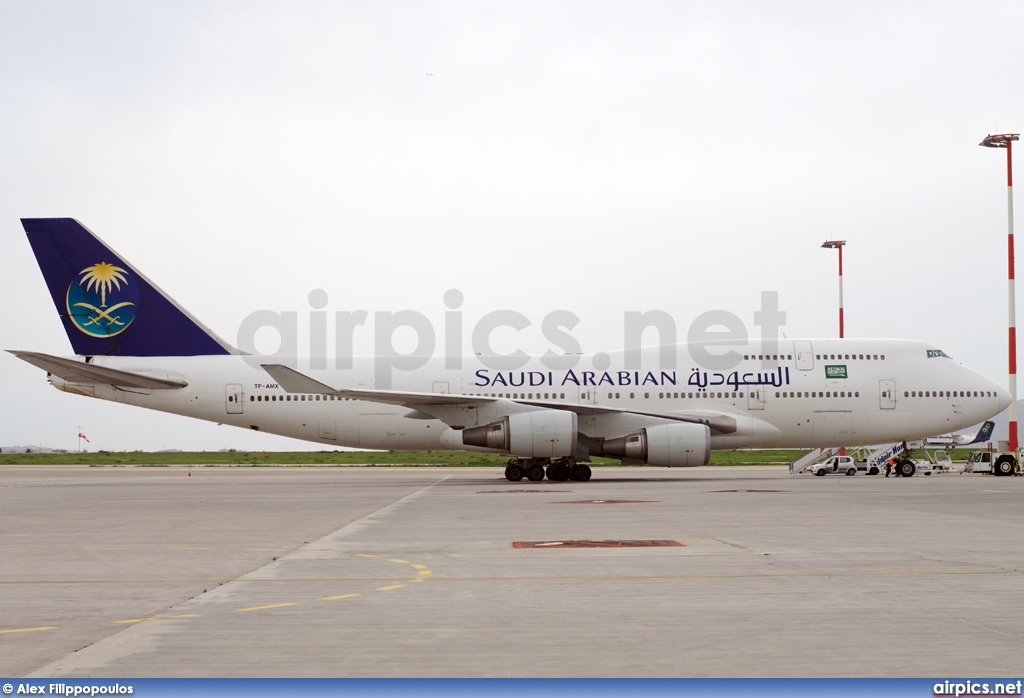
(596, 544)
(612, 501)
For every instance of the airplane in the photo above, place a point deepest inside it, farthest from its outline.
(984, 434)
(134, 345)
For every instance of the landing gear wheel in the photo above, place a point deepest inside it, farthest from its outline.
(558, 472)
(905, 469)
(514, 473)
(581, 472)
(1004, 466)
(535, 473)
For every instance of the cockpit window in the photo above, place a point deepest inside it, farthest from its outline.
(932, 353)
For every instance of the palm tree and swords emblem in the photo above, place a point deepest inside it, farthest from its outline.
(87, 300)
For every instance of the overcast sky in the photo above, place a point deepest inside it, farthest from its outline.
(593, 157)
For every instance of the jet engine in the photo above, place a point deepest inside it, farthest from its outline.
(540, 434)
(671, 445)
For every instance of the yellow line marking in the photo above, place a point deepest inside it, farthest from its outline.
(420, 567)
(425, 572)
(343, 596)
(362, 555)
(404, 562)
(393, 586)
(262, 608)
(191, 548)
(269, 550)
(417, 579)
(143, 620)
(28, 630)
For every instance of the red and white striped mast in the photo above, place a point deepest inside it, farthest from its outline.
(839, 245)
(1005, 140)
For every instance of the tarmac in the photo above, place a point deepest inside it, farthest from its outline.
(456, 572)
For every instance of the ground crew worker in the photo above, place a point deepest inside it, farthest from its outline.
(889, 466)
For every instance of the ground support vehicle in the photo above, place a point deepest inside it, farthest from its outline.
(1001, 461)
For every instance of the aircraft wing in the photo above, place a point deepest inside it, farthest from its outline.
(295, 382)
(81, 372)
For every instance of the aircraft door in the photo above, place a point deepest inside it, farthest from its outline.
(327, 429)
(804, 355)
(756, 397)
(887, 394)
(233, 397)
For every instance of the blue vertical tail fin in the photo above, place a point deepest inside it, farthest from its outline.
(984, 434)
(106, 305)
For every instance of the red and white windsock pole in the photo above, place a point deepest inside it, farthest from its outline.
(1005, 140)
(839, 245)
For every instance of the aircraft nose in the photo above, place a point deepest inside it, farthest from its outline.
(1004, 398)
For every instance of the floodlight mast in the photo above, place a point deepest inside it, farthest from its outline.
(1005, 140)
(838, 244)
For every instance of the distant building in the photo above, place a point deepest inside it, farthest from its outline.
(28, 449)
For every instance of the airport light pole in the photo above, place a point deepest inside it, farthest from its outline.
(838, 244)
(1005, 140)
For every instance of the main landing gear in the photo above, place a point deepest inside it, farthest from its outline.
(559, 470)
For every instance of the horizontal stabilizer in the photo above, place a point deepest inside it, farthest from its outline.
(80, 372)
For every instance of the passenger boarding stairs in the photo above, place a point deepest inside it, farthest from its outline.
(810, 458)
(877, 459)
(874, 462)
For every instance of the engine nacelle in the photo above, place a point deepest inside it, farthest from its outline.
(540, 434)
(670, 445)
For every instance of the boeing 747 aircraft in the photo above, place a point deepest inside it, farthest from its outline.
(133, 344)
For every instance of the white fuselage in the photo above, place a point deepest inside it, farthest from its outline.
(816, 393)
